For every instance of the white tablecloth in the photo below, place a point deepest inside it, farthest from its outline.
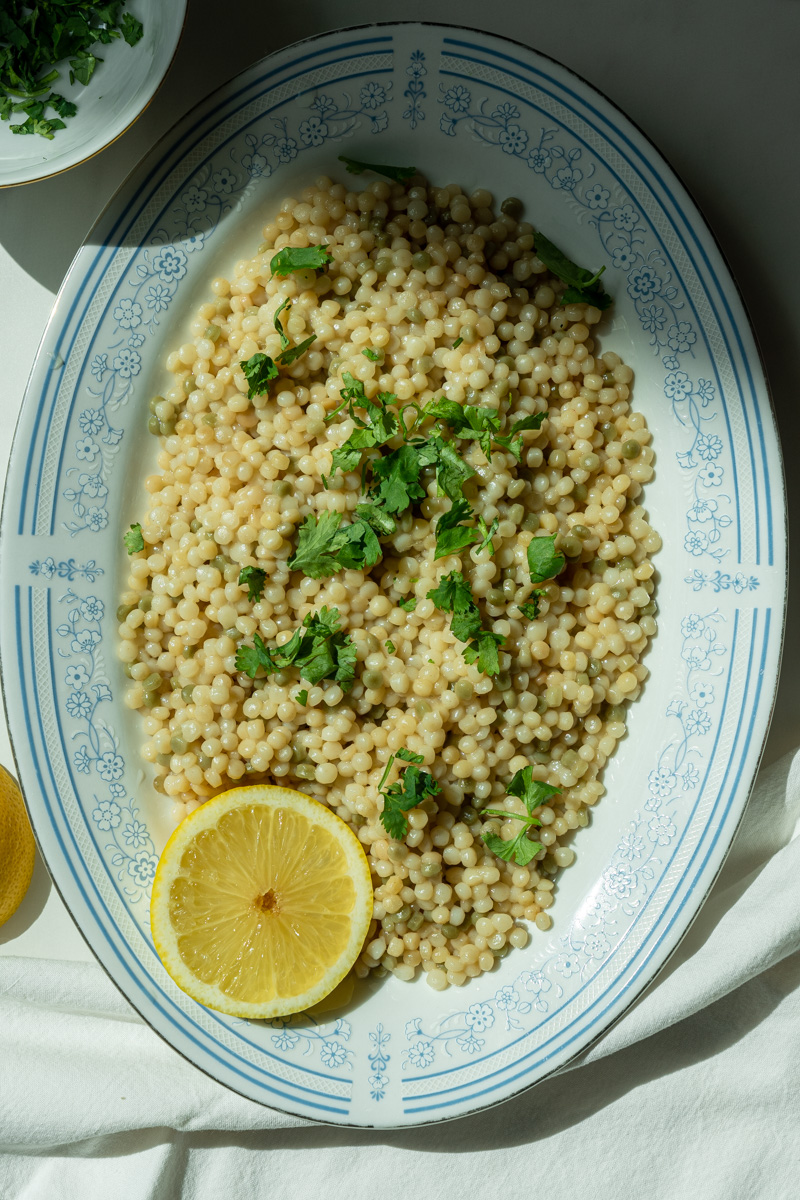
(694, 1093)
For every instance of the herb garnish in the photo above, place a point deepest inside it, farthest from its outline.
(533, 794)
(319, 650)
(530, 608)
(544, 561)
(299, 258)
(454, 594)
(259, 371)
(390, 646)
(451, 536)
(483, 424)
(457, 343)
(254, 578)
(584, 288)
(302, 697)
(409, 604)
(34, 37)
(287, 304)
(411, 789)
(134, 542)
(372, 355)
(325, 546)
(398, 174)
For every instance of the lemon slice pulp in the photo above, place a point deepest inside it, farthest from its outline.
(261, 902)
(17, 847)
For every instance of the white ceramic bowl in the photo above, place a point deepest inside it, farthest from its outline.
(121, 88)
(486, 112)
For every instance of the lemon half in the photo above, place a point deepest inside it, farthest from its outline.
(17, 847)
(261, 902)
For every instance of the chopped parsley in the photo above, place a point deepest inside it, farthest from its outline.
(134, 542)
(483, 424)
(302, 697)
(34, 37)
(319, 650)
(454, 594)
(488, 533)
(530, 608)
(381, 424)
(276, 321)
(406, 793)
(451, 535)
(544, 561)
(390, 646)
(325, 546)
(533, 794)
(372, 355)
(259, 371)
(288, 356)
(398, 174)
(457, 343)
(299, 258)
(254, 579)
(583, 287)
(409, 604)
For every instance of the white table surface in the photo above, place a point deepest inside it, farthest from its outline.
(714, 83)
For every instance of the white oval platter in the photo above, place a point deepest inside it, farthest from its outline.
(485, 112)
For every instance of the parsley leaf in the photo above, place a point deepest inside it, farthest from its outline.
(390, 647)
(64, 108)
(457, 343)
(134, 542)
(259, 371)
(398, 475)
(453, 594)
(372, 355)
(299, 258)
(323, 548)
(584, 288)
(511, 440)
(302, 697)
(381, 424)
(358, 168)
(287, 357)
(319, 650)
(132, 30)
(451, 536)
(530, 608)
(544, 561)
(488, 533)
(534, 793)
(409, 604)
(254, 578)
(276, 321)
(400, 797)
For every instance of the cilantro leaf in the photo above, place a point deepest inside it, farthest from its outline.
(467, 420)
(451, 535)
(254, 578)
(83, 67)
(302, 697)
(534, 793)
(319, 650)
(287, 357)
(358, 168)
(250, 658)
(64, 108)
(372, 355)
(543, 560)
(381, 424)
(409, 604)
(483, 650)
(276, 321)
(451, 471)
(453, 594)
(512, 440)
(299, 258)
(583, 287)
(521, 849)
(258, 371)
(400, 797)
(380, 521)
(134, 542)
(398, 474)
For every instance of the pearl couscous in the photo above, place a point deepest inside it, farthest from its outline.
(450, 299)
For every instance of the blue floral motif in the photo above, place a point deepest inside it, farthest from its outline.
(303, 1029)
(379, 1061)
(128, 313)
(48, 568)
(719, 581)
(107, 815)
(415, 89)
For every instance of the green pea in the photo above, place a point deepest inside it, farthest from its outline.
(571, 546)
(210, 419)
(464, 689)
(502, 952)
(570, 759)
(372, 679)
(152, 682)
(220, 562)
(305, 771)
(608, 378)
(541, 705)
(609, 431)
(154, 402)
(631, 448)
(580, 492)
(415, 920)
(234, 634)
(619, 593)
(598, 566)
(502, 681)
(189, 384)
(153, 426)
(128, 670)
(145, 601)
(195, 525)
(594, 668)
(649, 610)
(383, 265)
(123, 611)
(204, 761)
(404, 913)
(469, 816)
(167, 426)
(421, 261)
(617, 712)
(590, 462)
(581, 532)
(397, 853)
(178, 744)
(450, 931)
(151, 699)
(541, 757)
(495, 597)
(382, 239)
(158, 784)
(512, 207)
(415, 316)
(625, 564)
(282, 487)
(389, 921)
(430, 869)
(163, 759)
(223, 308)
(175, 683)
(213, 333)
(187, 692)
(189, 651)
(377, 713)
(530, 522)
(421, 709)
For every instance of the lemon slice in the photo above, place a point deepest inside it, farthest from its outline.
(261, 902)
(17, 847)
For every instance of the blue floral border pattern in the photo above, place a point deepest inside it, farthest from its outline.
(302, 1030)
(415, 91)
(626, 882)
(115, 815)
(621, 230)
(48, 568)
(209, 194)
(379, 1061)
(720, 581)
